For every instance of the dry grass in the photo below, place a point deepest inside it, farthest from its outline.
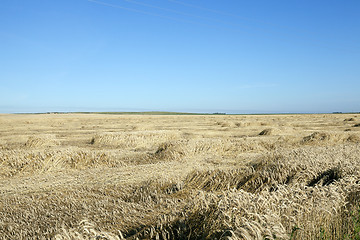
(178, 177)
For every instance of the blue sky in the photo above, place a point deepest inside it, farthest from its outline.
(231, 56)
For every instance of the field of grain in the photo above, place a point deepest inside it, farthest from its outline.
(94, 176)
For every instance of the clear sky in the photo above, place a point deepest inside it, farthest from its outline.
(229, 56)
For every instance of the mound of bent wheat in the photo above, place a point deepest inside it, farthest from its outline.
(281, 195)
(141, 139)
(41, 141)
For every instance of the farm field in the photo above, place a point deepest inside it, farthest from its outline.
(95, 176)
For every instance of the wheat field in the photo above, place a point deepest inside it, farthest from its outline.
(96, 176)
